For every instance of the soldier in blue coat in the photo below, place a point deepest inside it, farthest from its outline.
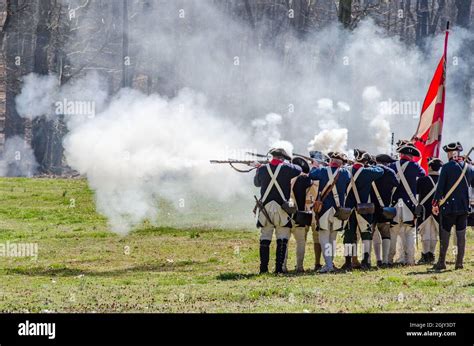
(301, 187)
(381, 195)
(408, 171)
(427, 223)
(328, 223)
(359, 222)
(274, 180)
(451, 202)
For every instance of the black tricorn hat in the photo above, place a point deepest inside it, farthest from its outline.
(302, 163)
(435, 163)
(372, 160)
(384, 158)
(338, 156)
(402, 142)
(455, 146)
(279, 152)
(409, 148)
(361, 155)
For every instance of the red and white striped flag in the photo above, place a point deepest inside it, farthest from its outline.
(428, 135)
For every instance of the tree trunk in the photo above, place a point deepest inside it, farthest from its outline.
(125, 51)
(345, 12)
(463, 17)
(422, 13)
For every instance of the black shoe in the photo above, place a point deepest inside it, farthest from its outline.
(458, 266)
(365, 264)
(379, 264)
(431, 257)
(264, 255)
(347, 266)
(280, 255)
(424, 258)
(439, 266)
(317, 267)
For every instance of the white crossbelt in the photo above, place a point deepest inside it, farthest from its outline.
(353, 186)
(273, 182)
(456, 184)
(423, 201)
(331, 176)
(377, 194)
(403, 179)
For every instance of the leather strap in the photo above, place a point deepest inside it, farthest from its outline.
(330, 184)
(334, 188)
(377, 194)
(403, 179)
(433, 190)
(273, 182)
(353, 186)
(463, 173)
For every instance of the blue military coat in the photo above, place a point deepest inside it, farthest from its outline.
(412, 173)
(385, 186)
(363, 184)
(458, 201)
(321, 174)
(287, 172)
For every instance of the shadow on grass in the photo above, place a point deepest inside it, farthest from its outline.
(65, 271)
(430, 272)
(235, 276)
(239, 276)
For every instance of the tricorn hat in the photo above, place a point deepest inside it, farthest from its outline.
(302, 163)
(384, 158)
(279, 152)
(435, 163)
(402, 142)
(338, 156)
(455, 146)
(361, 155)
(408, 148)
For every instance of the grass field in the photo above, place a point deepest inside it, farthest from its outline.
(83, 267)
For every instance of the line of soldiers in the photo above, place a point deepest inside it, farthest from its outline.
(378, 202)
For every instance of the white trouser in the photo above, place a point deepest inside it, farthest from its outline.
(377, 243)
(429, 230)
(407, 234)
(300, 237)
(381, 245)
(327, 239)
(266, 233)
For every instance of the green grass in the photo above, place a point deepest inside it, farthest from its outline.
(83, 267)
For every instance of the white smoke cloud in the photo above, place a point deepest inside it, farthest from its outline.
(330, 140)
(37, 95)
(378, 123)
(17, 158)
(268, 127)
(140, 143)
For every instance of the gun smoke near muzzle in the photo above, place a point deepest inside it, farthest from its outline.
(323, 92)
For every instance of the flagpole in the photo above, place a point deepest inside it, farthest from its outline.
(446, 42)
(445, 76)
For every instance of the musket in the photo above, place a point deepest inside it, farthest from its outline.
(305, 157)
(256, 154)
(468, 159)
(310, 158)
(259, 205)
(251, 163)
